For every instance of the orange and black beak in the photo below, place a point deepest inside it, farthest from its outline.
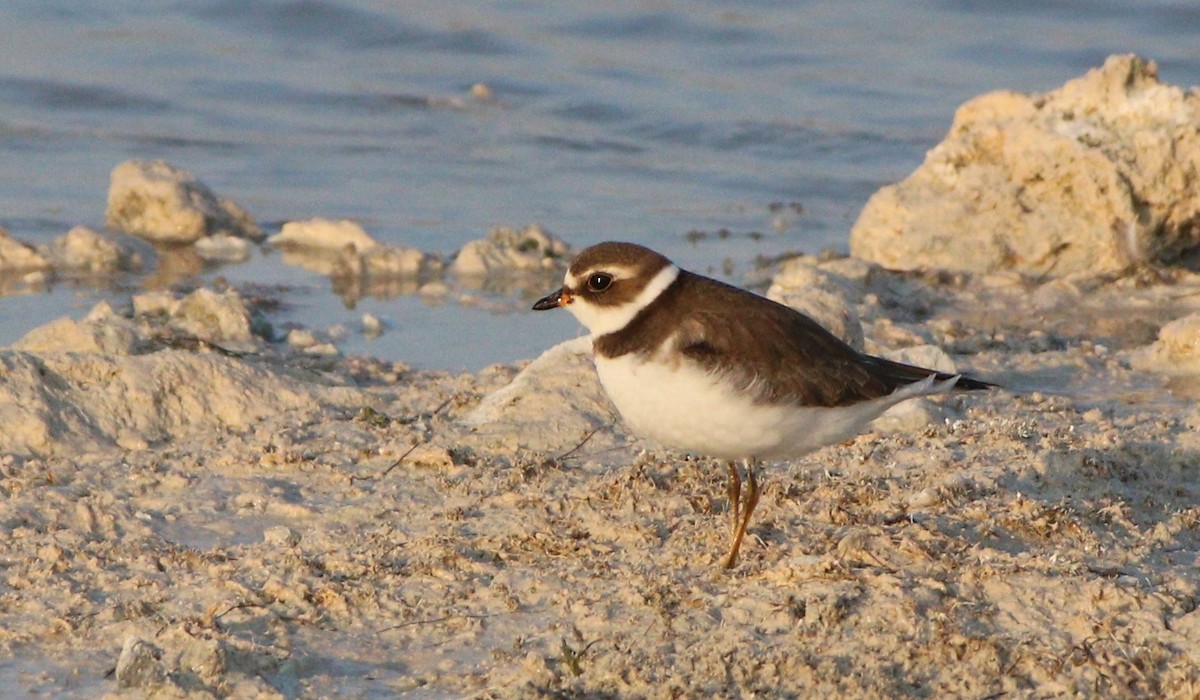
(561, 297)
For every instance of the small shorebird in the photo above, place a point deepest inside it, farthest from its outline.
(704, 367)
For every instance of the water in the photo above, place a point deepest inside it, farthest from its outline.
(633, 120)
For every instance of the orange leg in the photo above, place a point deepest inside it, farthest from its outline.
(734, 491)
(742, 518)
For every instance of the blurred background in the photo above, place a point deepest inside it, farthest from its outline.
(718, 133)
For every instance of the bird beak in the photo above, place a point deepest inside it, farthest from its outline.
(561, 297)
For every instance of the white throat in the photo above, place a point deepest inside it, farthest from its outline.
(601, 320)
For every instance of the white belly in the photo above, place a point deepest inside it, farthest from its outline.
(681, 406)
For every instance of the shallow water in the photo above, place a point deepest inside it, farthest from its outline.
(638, 120)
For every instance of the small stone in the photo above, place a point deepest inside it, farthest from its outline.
(281, 535)
(36, 279)
(205, 658)
(481, 92)
(322, 350)
(132, 443)
(139, 665)
(301, 338)
(50, 553)
(925, 498)
(372, 326)
(434, 291)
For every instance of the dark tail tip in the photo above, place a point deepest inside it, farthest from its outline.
(966, 383)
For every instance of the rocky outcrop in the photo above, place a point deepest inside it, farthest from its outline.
(1096, 176)
(165, 204)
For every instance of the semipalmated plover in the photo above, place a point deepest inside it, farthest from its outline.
(704, 367)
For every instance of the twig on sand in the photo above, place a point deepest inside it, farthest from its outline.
(440, 407)
(582, 442)
(443, 618)
(238, 606)
(402, 458)
(385, 472)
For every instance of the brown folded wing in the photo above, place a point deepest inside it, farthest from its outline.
(770, 350)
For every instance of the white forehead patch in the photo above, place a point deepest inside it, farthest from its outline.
(601, 320)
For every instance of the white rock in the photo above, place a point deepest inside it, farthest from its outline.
(223, 248)
(220, 318)
(281, 535)
(102, 312)
(396, 261)
(1093, 177)
(71, 403)
(821, 295)
(15, 256)
(325, 234)
(434, 291)
(482, 92)
(851, 271)
(154, 303)
(506, 250)
(912, 416)
(322, 350)
(1177, 350)
(549, 405)
(301, 338)
(67, 390)
(84, 250)
(343, 249)
(36, 278)
(69, 335)
(160, 202)
(372, 326)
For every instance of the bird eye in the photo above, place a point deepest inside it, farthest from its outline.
(599, 281)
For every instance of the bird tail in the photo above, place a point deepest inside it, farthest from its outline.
(898, 375)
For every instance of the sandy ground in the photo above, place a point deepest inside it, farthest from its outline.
(357, 529)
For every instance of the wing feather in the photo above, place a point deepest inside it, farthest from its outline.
(807, 364)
